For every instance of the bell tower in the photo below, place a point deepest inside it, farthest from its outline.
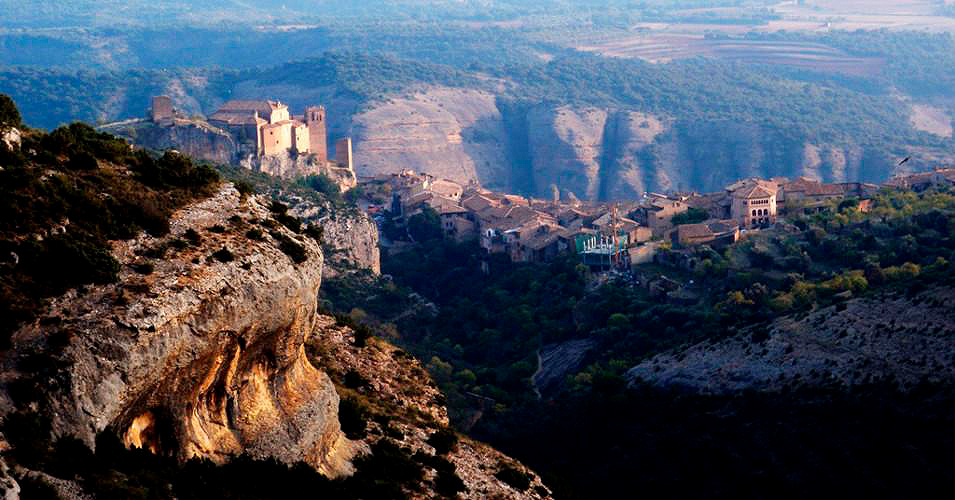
(315, 120)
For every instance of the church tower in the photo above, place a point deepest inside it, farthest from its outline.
(315, 120)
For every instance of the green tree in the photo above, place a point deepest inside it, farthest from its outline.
(9, 114)
(425, 226)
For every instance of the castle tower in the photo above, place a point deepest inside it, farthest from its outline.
(315, 121)
(162, 109)
(343, 153)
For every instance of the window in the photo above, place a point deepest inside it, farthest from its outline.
(754, 213)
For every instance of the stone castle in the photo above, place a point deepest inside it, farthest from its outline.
(267, 137)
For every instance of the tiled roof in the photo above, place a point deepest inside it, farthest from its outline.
(694, 230)
(751, 192)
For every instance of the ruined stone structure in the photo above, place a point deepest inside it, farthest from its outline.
(162, 109)
(343, 155)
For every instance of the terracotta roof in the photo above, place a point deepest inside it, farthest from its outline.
(250, 107)
(694, 230)
(477, 202)
(446, 188)
(723, 226)
(235, 118)
(800, 184)
(542, 240)
(825, 190)
(451, 209)
(751, 192)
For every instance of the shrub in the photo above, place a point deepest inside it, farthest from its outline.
(290, 222)
(354, 380)
(255, 234)
(277, 207)
(448, 484)
(9, 114)
(315, 232)
(244, 189)
(443, 441)
(144, 268)
(81, 161)
(514, 478)
(223, 255)
(353, 418)
(388, 468)
(36, 488)
(192, 237)
(218, 229)
(325, 185)
(288, 246)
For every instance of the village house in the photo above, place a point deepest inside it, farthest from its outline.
(657, 213)
(714, 233)
(754, 203)
(924, 180)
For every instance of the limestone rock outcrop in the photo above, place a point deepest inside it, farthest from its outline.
(349, 236)
(202, 357)
(597, 153)
(193, 138)
(904, 339)
(457, 134)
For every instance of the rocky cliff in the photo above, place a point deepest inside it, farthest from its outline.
(349, 236)
(904, 339)
(456, 134)
(210, 346)
(202, 357)
(597, 153)
(193, 138)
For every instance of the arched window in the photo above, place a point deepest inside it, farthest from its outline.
(754, 213)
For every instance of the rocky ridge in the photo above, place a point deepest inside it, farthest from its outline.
(903, 339)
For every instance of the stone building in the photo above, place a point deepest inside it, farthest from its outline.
(343, 153)
(754, 203)
(657, 213)
(162, 109)
(265, 128)
(317, 130)
(715, 232)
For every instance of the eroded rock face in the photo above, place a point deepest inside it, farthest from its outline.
(350, 237)
(9, 489)
(904, 339)
(204, 356)
(196, 139)
(456, 134)
(566, 147)
(597, 153)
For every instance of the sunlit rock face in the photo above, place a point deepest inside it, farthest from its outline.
(201, 357)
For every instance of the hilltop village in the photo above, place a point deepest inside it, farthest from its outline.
(616, 235)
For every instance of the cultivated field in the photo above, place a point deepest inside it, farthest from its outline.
(665, 47)
(661, 42)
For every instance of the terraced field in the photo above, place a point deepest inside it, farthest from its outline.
(667, 47)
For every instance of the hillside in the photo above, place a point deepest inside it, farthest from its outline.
(601, 128)
(172, 362)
